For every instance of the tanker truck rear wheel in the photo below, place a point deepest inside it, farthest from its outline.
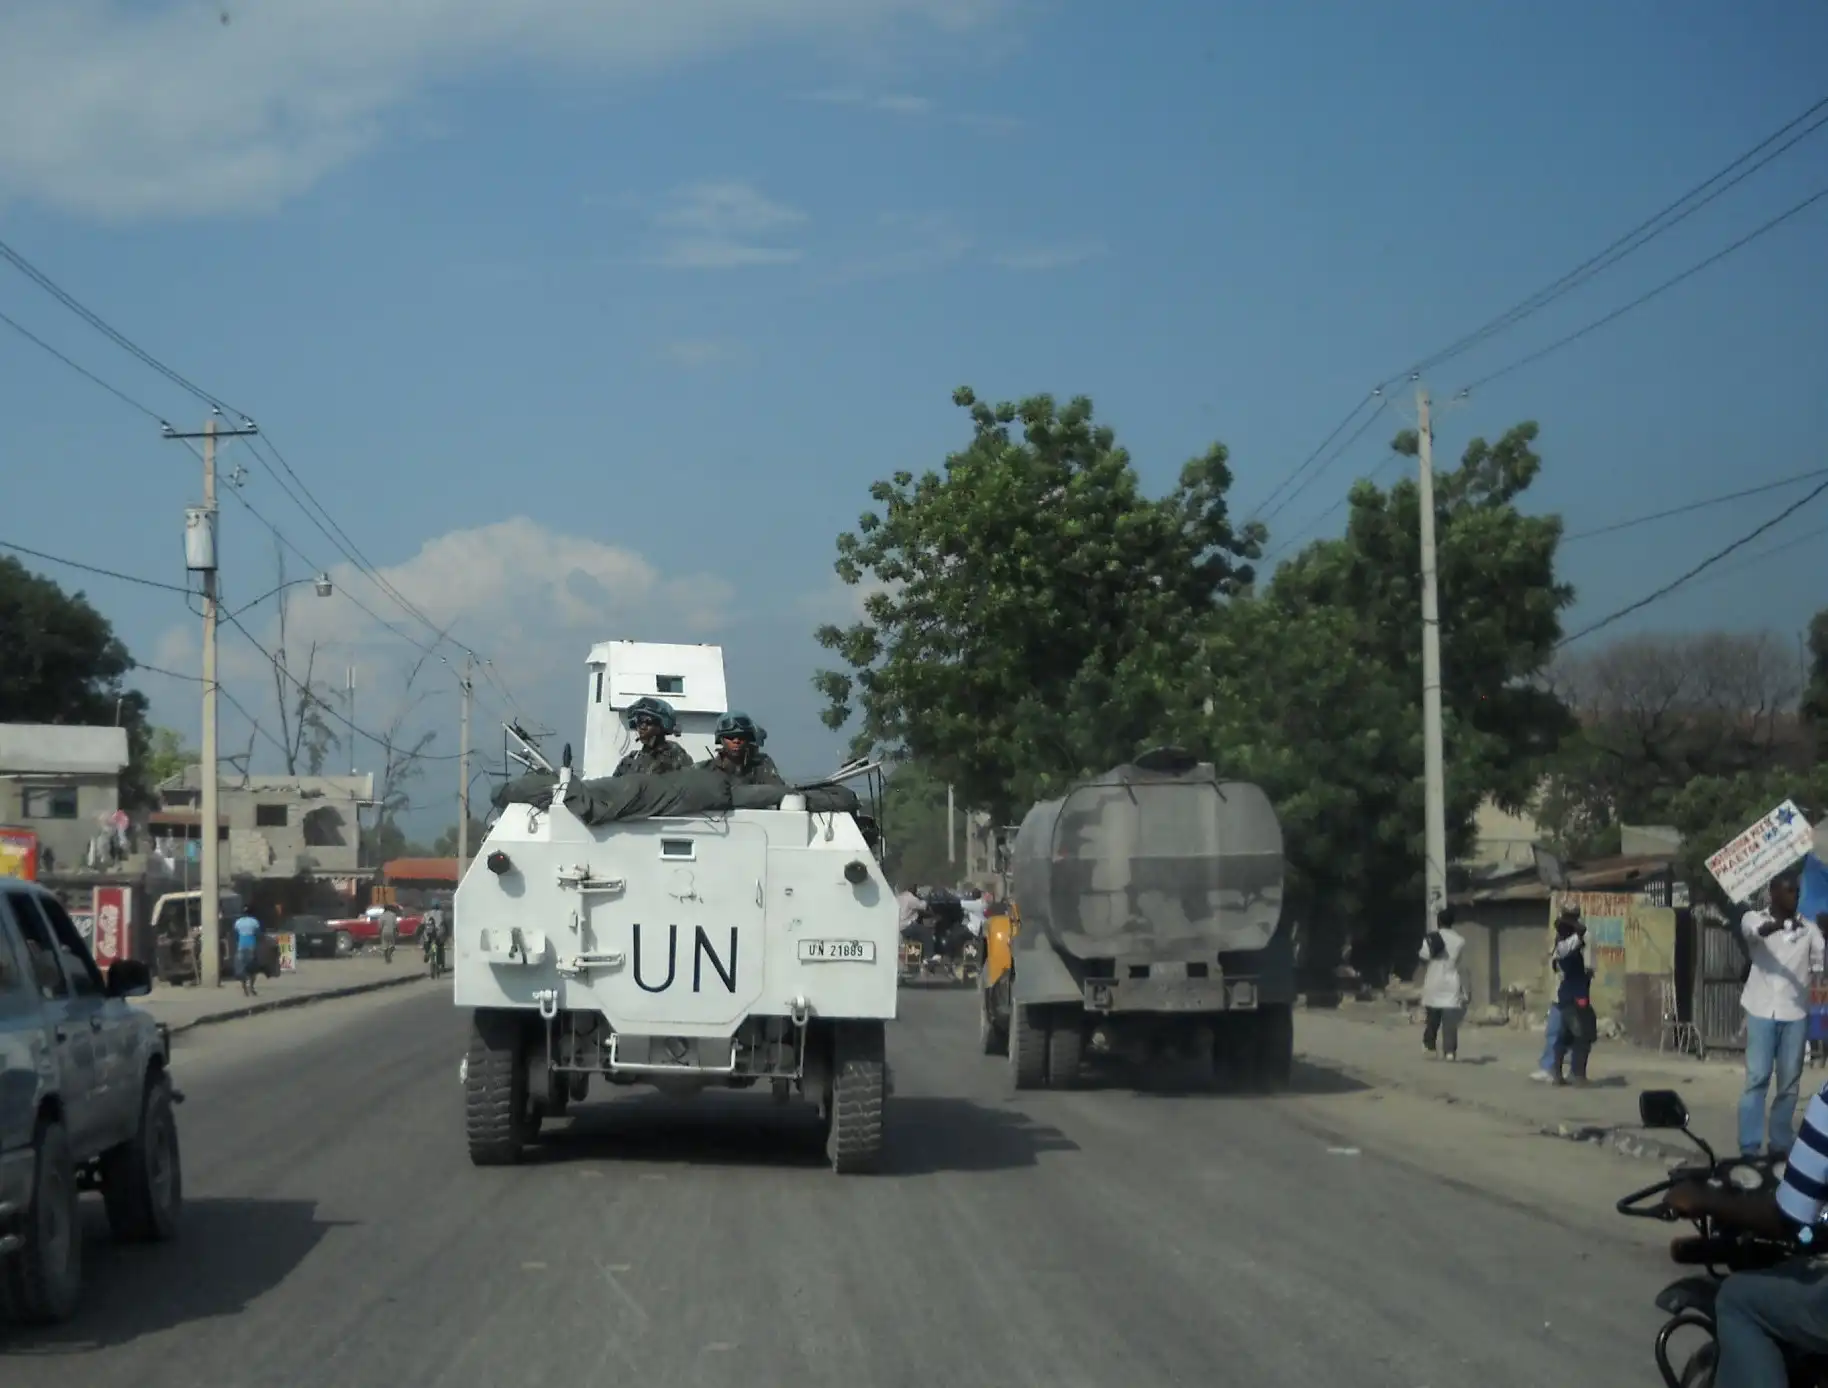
(993, 1035)
(1065, 1048)
(1274, 1067)
(859, 1086)
(1028, 1036)
(496, 1104)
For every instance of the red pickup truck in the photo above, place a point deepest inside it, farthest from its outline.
(366, 929)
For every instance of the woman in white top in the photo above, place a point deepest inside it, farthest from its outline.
(1444, 995)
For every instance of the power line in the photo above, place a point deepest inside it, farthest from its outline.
(1358, 433)
(279, 665)
(94, 569)
(1611, 255)
(1631, 241)
(1635, 521)
(81, 370)
(1650, 294)
(1707, 563)
(1308, 462)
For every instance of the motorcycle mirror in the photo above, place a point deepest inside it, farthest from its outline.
(1662, 1108)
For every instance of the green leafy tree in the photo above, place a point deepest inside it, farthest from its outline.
(914, 827)
(1316, 684)
(1712, 810)
(166, 756)
(1031, 613)
(1815, 691)
(64, 664)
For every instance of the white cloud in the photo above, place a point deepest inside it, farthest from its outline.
(530, 599)
(840, 602)
(722, 226)
(1057, 257)
(158, 109)
(911, 244)
(894, 103)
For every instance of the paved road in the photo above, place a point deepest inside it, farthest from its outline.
(337, 1236)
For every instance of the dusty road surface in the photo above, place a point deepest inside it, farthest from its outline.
(336, 1235)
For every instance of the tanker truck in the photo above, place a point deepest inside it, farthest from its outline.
(1145, 925)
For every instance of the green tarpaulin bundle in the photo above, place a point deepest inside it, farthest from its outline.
(701, 790)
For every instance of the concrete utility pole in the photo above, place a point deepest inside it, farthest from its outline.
(1433, 773)
(463, 772)
(949, 858)
(200, 557)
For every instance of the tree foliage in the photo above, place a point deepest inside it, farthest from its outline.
(1316, 687)
(64, 664)
(1030, 612)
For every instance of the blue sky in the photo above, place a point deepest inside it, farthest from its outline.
(588, 319)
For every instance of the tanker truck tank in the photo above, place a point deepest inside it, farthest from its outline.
(1147, 926)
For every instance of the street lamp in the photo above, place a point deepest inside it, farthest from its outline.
(321, 583)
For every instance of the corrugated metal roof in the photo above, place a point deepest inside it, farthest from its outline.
(52, 748)
(420, 870)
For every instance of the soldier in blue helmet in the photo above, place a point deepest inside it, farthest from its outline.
(738, 752)
(654, 724)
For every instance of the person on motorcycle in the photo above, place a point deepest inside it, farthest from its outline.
(431, 931)
(1760, 1314)
(654, 723)
(739, 752)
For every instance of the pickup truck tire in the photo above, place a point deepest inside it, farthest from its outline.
(143, 1179)
(344, 945)
(41, 1283)
(496, 1105)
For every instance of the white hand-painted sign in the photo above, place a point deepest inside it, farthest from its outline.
(1754, 857)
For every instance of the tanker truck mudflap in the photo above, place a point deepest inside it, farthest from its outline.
(1151, 907)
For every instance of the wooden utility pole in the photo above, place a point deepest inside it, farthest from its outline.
(1433, 760)
(200, 558)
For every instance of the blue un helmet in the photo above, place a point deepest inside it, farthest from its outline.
(647, 707)
(738, 725)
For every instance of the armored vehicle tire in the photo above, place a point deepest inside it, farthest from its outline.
(859, 1086)
(143, 1179)
(1273, 1055)
(41, 1282)
(1065, 1048)
(496, 1106)
(1027, 1045)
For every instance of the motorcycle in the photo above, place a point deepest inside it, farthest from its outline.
(434, 957)
(1689, 1301)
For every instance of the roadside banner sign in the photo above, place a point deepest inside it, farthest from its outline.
(288, 952)
(1758, 854)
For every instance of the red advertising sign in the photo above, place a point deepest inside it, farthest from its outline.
(19, 854)
(113, 912)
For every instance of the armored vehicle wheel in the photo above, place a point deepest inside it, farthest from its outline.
(497, 1111)
(41, 1281)
(1027, 1045)
(859, 1085)
(1065, 1049)
(142, 1180)
(1273, 1031)
(992, 1035)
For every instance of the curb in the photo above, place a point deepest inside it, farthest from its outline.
(297, 1000)
(1632, 1142)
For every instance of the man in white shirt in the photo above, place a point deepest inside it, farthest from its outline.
(1443, 990)
(977, 911)
(1787, 956)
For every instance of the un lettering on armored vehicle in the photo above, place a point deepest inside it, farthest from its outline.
(681, 931)
(1147, 925)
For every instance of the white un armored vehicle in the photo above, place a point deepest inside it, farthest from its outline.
(682, 931)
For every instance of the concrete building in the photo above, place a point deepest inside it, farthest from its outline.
(269, 826)
(64, 784)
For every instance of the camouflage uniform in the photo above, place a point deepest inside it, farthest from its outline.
(668, 756)
(758, 769)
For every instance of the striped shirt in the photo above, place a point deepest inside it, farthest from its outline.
(1803, 1196)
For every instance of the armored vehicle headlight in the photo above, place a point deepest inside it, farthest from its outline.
(856, 872)
(498, 863)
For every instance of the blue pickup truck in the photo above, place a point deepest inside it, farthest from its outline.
(86, 1103)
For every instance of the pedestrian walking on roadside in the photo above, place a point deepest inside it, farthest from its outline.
(1444, 995)
(1787, 957)
(1577, 1026)
(1545, 1067)
(247, 941)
